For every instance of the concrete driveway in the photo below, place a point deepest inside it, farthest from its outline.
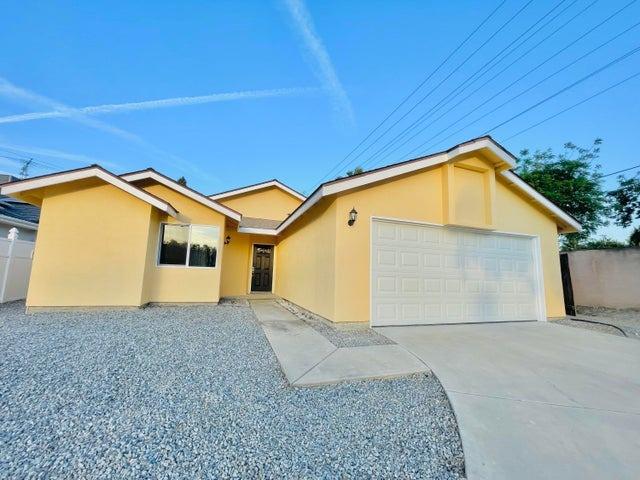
(537, 400)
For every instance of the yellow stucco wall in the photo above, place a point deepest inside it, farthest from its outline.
(468, 187)
(515, 214)
(176, 284)
(91, 247)
(98, 245)
(272, 203)
(236, 266)
(416, 197)
(421, 196)
(306, 259)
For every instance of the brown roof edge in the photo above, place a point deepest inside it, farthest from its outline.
(79, 169)
(404, 162)
(150, 169)
(547, 198)
(89, 167)
(411, 160)
(255, 185)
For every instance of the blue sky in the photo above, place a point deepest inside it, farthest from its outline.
(288, 88)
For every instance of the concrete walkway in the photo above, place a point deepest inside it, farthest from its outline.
(307, 358)
(535, 400)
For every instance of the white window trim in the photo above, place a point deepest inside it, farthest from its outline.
(186, 265)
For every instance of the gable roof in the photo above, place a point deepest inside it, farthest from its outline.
(84, 173)
(502, 158)
(152, 174)
(258, 186)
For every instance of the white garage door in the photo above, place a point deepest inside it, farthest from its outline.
(424, 274)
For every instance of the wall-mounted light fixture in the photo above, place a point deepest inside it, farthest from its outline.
(227, 240)
(353, 216)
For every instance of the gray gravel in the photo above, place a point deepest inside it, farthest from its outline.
(628, 319)
(192, 392)
(588, 326)
(340, 334)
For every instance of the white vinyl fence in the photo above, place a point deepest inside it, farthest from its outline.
(15, 267)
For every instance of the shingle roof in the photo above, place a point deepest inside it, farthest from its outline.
(15, 208)
(19, 210)
(252, 222)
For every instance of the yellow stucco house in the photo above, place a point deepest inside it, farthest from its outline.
(452, 237)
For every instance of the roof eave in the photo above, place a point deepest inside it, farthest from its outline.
(96, 171)
(18, 222)
(503, 161)
(194, 195)
(258, 186)
(258, 231)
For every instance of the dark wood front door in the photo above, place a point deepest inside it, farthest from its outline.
(262, 271)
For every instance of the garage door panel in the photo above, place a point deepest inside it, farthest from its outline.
(429, 274)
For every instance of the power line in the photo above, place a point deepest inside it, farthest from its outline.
(620, 171)
(568, 87)
(470, 80)
(425, 116)
(33, 162)
(13, 152)
(458, 120)
(564, 110)
(442, 81)
(420, 85)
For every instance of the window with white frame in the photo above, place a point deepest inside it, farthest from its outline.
(188, 245)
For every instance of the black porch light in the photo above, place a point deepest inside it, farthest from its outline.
(227, 240)
(353, 215)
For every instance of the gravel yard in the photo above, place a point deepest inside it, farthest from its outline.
(628, 320)
(185, 392)
(340, 334)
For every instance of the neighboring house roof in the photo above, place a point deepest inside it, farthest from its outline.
(150, 173)
(19, 214)
(15, 212)
(258, 225)
(503, 159)
(258, 186)
(6, 178)
(84, 173)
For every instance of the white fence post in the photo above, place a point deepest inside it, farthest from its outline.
(12, 236)
(14, 275)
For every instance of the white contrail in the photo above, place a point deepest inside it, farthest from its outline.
(324, 67)
(154, 104)
(48, 152)
(9, 90)
(30, 98)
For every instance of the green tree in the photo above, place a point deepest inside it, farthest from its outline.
(355, 171)
(182, 181)
(571, 179)
(634, 238)
(625, 201)
(602, 243)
